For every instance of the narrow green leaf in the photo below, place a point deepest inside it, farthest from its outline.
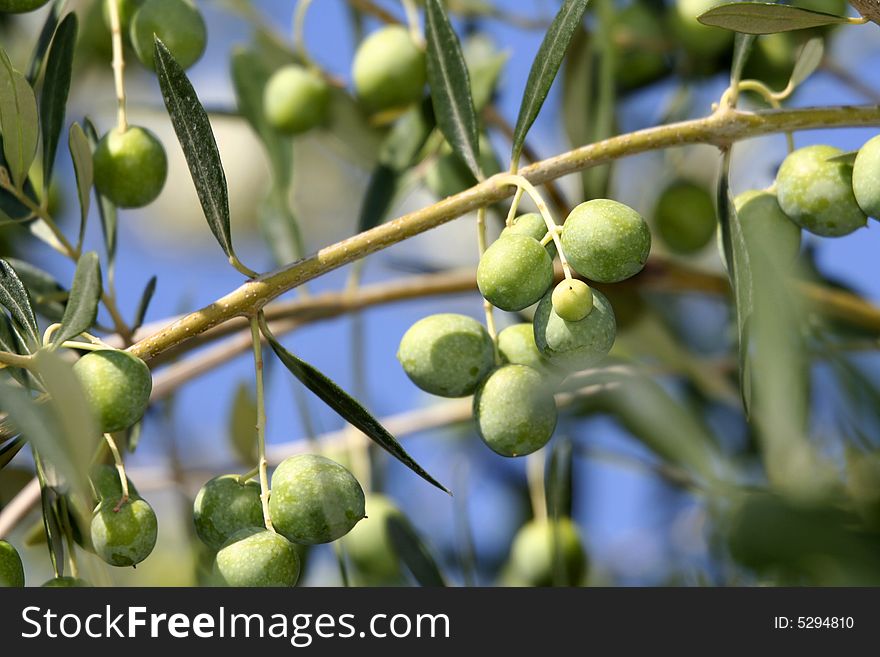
(412, 551)
(44, 40)
(18, 121)
(196, 138)
(809, 59)
(381, 190)
(544, 69)
(280, 227)
(403, 145)
(346, 406)
(56, 87)
(52, 525)
(106, 209)
(14, 297)
(766, 18)
(85, 295)
(47, 295)
(742, 48)
(559, 480)
(450, 85)
(10, 449)
(81, 154)
(144, 305)
(242, 423)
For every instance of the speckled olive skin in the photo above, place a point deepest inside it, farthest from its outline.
(257, 557)
(533, 554)
(314, 500)
(105, 479)
(446, 354)
(575, 345)
(533, 225)
(126, 11)
(698, 39)
(11, 570)
(685, 217)
(368, 545)
(66, 583)
(766, 227)
(818, 194)
(866, 178)
(606, 241)
(223, 507)
(516, 344)
(125, 537)
(514, 272)
(177, 23)
(389, 69)
(295, 100)
(572, 300)
(20, 6)
(130, 167)
(117, 386)
(515, 411)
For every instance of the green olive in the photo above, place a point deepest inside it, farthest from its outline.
(314, 500)
(177, 23)
(532, 225)
(389, 69)
(225, 506)
(117, 387)
(20, 6)
(515, 411)
(575, 345)
(257, 557)
(369, 546)
(817, 193)
(66, 583)
(514, 272)
(546, 553)
(866, 170)
(637, 31)
(516, 344)
(572, 300)
(105, 479)
(126, 536)
(698, 39)
(11, 569)
(296, 99)
(130, 167)
(447, 354)
(685, 216)
(606, 241)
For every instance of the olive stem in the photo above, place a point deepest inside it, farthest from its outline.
(242, 268)
(247, 476)
(772, 98)
(535, 477)
(84, 346)
(412, 20)
(120, 469)
(487, 306)
(257, 343)
(514, 206)
(299, 41)
(118, 65)
(552, 226)
(68, 537)
(8, 359)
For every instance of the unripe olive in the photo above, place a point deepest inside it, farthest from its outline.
(368, 545)
(515, 411)
(637, 31)
(448, 174)
(572, 300)
(389, 69)
(766, 227)
(257, 557)
(225, 506)
(447, 354)
(295, 99)
(314, 500)
(65, 583)
(11, 569)
(105, 479)
(516, 344)
(547, 553)
(531, 224)
(177, 23)
(606, 241)
(575, 345)
(685, 216)
(130, 167)
(818, 194)
(124, 537)
(698, 39)
(20, 6)
(866, 178)
(514, 272)
(127, 8)
(117, 387)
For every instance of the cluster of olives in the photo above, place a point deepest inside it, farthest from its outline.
(573, 328)
(313, 500)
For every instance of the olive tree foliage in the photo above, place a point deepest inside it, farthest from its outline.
(585, 298)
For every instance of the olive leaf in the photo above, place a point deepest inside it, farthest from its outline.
(450, 85)
(56, 87)
(44, 41)
(14, 297)
(144, 304)
(83, 167)
(345, 405)
(242, 420)
(18, 121)
(559, 480)
(82, 304)
(742, 48)
(808, 60)
(47, 295)
(106, 209)
(412, 551)
(544, 69)
(846, 158)
(766, 18)
(9, 449)
(193, 129)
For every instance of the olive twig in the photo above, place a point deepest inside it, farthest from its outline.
(8, 359)
(535, 477)
(257, 343)
(118, 65)
(247, 476)
(412, 20)
(299, 41)
(487, 306)
(772, 98)
(514, 206)
(120, 469)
